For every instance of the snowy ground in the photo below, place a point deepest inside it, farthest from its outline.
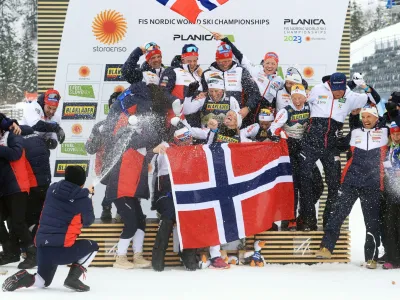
(338, 281)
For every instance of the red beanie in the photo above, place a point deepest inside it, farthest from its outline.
(223, 51)
(52, 98)
(151, 53)
(272, 55)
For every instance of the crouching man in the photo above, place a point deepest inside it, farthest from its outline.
(66, 210)
(362, 178)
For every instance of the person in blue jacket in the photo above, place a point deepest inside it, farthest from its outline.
(67, 209)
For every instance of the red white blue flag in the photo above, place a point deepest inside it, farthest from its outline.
(191, 9)
(225, 192)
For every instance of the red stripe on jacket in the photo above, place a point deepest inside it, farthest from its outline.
(348, 164)
(20, 173)
(73, 231)
(129, 173)
(31, 175)
(381, 167)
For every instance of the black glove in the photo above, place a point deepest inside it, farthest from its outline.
(273, 138)
(192, 89)
(61, 135)
(51, 144)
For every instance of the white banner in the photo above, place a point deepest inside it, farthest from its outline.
(99, 35)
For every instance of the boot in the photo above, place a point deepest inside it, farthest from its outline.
(188, 257)
(161, 244)
(371, 264)
(139, 261)
(72, 281)
(219, 263)
(118, 218)
(122, 262)
(18, 280)
(10, 254)
(323, 253)
(30, 261)
(106, 214)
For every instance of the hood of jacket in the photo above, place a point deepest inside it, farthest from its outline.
(68, 192)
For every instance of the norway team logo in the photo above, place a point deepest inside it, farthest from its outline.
(109, 27)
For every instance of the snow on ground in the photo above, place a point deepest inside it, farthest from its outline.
(324, 281)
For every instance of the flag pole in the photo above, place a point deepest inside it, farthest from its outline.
(204, 27)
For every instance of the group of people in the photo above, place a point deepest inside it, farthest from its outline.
(233, 101)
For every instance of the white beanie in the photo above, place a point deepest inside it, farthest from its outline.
(298, 89)
(294, 77)
(182, 134)
(371, 110)
(216, 83)
(266, 115)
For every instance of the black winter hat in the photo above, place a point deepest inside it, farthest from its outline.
(5, 122)
(75, 174)
(113, 97)
(395, 97)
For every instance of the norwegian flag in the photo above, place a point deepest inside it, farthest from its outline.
(191, 9)
(225, 192)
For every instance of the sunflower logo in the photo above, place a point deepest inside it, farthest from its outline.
(84, 71)
(308, 72)
(119, 89)
(109, 27)
(308, 39)
(76, 129)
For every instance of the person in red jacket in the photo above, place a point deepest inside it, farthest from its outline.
(13, 198)
(67, 209)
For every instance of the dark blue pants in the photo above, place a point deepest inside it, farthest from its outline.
(341, 208)
(49, 258)
(132, 216)
(165, 207)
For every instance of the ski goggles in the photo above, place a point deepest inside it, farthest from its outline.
(192, 49)
(53, 97)
(224, 48)
(151, 46)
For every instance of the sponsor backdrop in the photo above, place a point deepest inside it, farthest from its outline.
(308, 36)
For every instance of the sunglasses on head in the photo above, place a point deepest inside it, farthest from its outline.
(192, 49)
(224, 48)
(151, 46)
(53, 97)
(184, 137)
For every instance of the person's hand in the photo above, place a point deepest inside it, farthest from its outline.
(355, 112)
(201, 96)
(358, 80)
(61, 135)
(15, 128)
(143, 49)
(218, 36)
(212, 124)
(91, 190)
(192, 88)
(244, 112)
(160, 149)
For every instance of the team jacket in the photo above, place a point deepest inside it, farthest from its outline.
(365, 168)
(13, 170)
(95, 145)
(209, 108)
(66, 210)
(328, 115)
(37, 157)
(392, 173)
(34, 117)
(238, 81)
(283, 99)
(293, 121)
(150, 75)
(129, 176)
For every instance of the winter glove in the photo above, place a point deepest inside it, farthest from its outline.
(51, 144)
(177, 107)
(358, 79)
(273, 138)
(60, 135)
(193, 88)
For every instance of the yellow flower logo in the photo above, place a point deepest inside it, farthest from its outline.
(84, 71)
(109, 27)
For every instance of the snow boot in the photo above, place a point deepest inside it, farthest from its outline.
(323, 253)
(161, 244)
(106, 215)
(219, 263)
(18, 280)
(139, 261)
(382, 259)
(118, 218)
(122, 262)
(371, 264)
(10, 255)
(30, 261)
(389, 266)
(188, 257)
(72, 281)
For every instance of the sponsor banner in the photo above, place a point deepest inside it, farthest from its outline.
(110, 88)
(84, 72)
(113, 73)
(312, 73)
(82, 91)
(61, 165)
(72, 149)
(79, 111)
(77, 129)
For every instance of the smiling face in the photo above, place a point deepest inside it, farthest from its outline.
(155, 61)
(338, 94)
(224, 64)
(191, 61)
(395, 136)
(270, 66)
(265, 125)
(369, 120)
(216, 94)
(49, 111)
(230, 120)
(298, 100)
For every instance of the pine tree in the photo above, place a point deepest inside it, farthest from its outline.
(357, 18)
(27, 67)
